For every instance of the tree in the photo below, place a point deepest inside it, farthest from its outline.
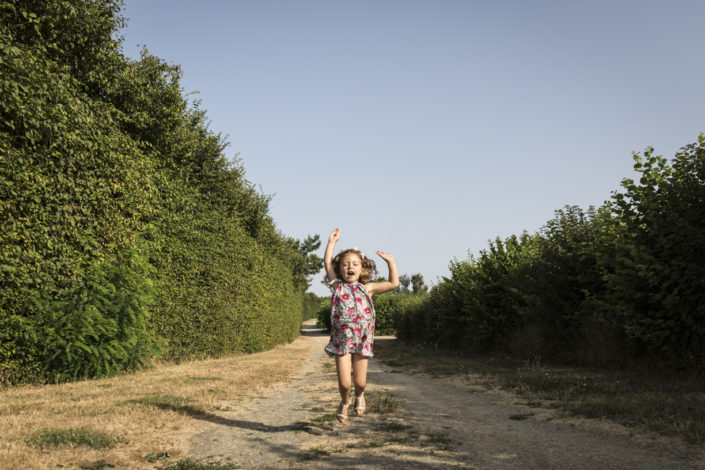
(404, 283)
(418, 285)
(308, 263)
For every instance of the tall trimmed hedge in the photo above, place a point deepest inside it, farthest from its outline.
(125, 232)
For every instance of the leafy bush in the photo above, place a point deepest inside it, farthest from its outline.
(617, 285)
(563, 288)
(390, 305)
(658, 283)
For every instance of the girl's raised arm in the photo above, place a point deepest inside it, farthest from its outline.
(392, 281)
(328, 257)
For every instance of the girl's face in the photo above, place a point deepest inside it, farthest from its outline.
(351, 267)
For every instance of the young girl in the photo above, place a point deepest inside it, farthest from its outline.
(353, 316)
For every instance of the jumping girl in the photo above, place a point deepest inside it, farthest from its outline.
(353, 316)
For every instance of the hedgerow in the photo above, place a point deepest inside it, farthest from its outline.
(620, 285)
(125, 231)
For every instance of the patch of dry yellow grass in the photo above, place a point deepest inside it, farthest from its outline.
(116, 406)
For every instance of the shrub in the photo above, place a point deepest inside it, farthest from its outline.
(658, 280)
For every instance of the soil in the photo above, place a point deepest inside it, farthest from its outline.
(416, 421)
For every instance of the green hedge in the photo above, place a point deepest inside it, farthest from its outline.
(311, 305)
(620, 285)
(125, 232)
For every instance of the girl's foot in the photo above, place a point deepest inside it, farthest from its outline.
(360, 404)
(343, 412)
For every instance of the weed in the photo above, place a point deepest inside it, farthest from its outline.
(326, 418)
(521, 416)
(439, 442)
(189, 464)
(391, 426)
(74, 437)
(308, 425)
(410, 437)
(317, 452)
(97, 465)
(179, 405)
(161, 401)
(383, 403)
(301, 426)
(155, 456)
(367, 444)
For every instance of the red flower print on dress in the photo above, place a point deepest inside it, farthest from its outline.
(352, 318)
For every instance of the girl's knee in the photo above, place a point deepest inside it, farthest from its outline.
(360, 381)
(344, 382)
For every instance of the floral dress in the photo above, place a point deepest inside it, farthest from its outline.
(352, 318)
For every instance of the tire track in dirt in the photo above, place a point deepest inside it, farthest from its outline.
(437, 425)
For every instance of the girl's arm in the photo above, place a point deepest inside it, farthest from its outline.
(328, 257)
(393, 279)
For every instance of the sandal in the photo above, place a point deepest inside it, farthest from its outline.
(359, 409)
(343, 415)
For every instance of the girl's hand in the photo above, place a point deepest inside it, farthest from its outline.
(334, 236)
(391, 283)
(385, 256)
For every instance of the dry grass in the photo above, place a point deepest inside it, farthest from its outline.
(148, 413)
(669, 405)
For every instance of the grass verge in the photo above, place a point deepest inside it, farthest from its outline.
(142, 408)
(671, 406)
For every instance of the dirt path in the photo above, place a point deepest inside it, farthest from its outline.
(437, 424)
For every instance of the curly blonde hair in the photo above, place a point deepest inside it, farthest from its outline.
(369, 269)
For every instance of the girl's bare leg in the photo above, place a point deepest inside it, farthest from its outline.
(344, 365)
(359, 365)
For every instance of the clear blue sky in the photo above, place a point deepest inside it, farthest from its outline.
(428, 128)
